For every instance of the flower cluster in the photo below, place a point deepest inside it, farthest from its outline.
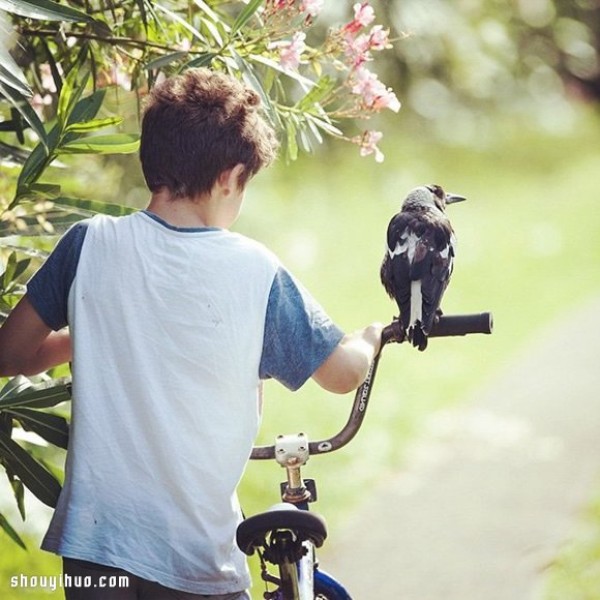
(349, 50)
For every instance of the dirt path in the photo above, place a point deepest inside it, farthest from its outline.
(490, 492)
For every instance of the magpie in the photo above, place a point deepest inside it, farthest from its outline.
(419, 258)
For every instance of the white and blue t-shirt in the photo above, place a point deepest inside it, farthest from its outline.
(172, 331)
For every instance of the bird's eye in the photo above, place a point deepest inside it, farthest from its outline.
(437, 190)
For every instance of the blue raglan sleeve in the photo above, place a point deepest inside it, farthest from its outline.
(299, 335)
(48, 289)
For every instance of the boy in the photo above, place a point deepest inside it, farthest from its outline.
(172, 322)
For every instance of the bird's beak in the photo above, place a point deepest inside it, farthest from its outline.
(453, 198)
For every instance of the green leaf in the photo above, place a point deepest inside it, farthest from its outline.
(70, 94)
(305, 82)
(200, 61)
(21, 103)
(20, 392)
(19, 493)
(254, 82)
(87, 108)
(142, 7)
(38, 480)
(8, 529)
(9, 271)
(245, 15)
(184, 23)
(207, 10)
(163, 61)
(93, 124)
(52, 428)
(91, 207)
(11, 79)
(33, 168)
(292, 145)
(42, 155)
(326, 126)
(12, 154)
(118, 143)
(44, 10)
(44, 190)
(322, 88)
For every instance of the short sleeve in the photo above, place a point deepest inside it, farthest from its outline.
(299, 335)
(48, 289)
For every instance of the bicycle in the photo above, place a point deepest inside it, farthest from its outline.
(287, 534)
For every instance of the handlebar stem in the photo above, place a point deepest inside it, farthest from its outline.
(292, 453)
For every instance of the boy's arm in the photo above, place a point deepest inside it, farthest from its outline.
(28, 346)
(347, 366)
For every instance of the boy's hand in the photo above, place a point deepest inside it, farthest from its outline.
(28, 346)
(348, 365)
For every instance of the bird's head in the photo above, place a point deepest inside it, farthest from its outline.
(431, 195)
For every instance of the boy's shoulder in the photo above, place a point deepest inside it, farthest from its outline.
(253, 246)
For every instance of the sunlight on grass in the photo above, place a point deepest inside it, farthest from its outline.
(575, 573)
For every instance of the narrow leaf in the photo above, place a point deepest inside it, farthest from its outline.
(304, 81)
(70, 94)
(93, 124)
(245, 15)
(9, 271)
(91, 207)
(38, 395)
(33, 168)
(8, 77)
(181, 21)
(12, 534)
(207, 10)
(19, 493)
(38, 480)
(292, 145)
(118, 143)
(52, 428)
(19, 101)
(200, 61)
(163, 61)
(44, 10)
(323, 87)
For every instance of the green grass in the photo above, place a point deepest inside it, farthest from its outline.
(575, 573)
(529, 248)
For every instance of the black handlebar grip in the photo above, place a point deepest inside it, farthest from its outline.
(462, 325)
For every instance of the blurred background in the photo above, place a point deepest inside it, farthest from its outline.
(500, 104)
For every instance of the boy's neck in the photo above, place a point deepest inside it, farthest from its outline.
(205, 211)
(219, 208)
(179, 212)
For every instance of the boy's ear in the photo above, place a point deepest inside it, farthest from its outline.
(230, 179)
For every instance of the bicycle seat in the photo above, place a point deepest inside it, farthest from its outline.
(307, 526)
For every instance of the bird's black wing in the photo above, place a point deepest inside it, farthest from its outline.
(433, 263)
(396, 266)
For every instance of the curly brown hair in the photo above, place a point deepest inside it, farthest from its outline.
(197, 125)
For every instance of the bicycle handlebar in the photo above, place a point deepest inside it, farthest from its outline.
(444, 326)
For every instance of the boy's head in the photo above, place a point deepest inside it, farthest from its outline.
(197, 125)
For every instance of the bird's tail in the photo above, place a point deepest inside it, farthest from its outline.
(415, 332)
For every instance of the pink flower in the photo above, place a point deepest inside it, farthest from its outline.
(379, 38)
(374, 93)
(368, 144)
(312, 7)
(290, 52)
(357, 49)
(280, 4)
(363, 16)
